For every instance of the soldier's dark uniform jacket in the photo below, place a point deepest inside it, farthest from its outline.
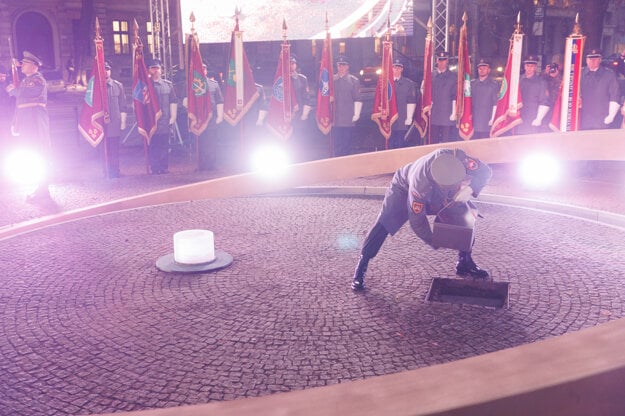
(216, 97)
(443, 93)
(534, 93)
(117, 105)
(166, 95)
(31, 119)
(414, 194)
(405, 93)
(484, 96)
(598, 88)
(346, 92)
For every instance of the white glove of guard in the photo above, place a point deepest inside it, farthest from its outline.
(614, 106)
(464, 194)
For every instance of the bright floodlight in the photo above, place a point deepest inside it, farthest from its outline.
(270, 161)
(25, 167)
(539, 170)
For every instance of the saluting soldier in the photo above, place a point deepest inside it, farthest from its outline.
(484, 96)
(158, 151)
(31, 122)
(406, 99)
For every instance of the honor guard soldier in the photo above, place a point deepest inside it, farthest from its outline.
(406, 99)
(347, 107)
(421, 188)
(599, 93)
(158, 151)
(443, 114)
(484, 96)
(31, 122)
(535, 98)
(118, 114)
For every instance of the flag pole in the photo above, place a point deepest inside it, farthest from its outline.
(98, 41)
(240, 85)
(136, 44)
(188, 61)
(332, 107)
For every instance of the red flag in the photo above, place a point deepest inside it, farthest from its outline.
(424, 103)
(565, 115)
(147, 108)
(283, 103)
(198, 98)
(385, 103)
(464, 109)
(241, 90)
(507, 114)
(325, 89)
(95, 109)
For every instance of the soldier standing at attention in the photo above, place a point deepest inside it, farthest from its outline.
(158, 151)
(118, 115)
(443, 117)
(484, 94)
(347, 107)
(406, 96)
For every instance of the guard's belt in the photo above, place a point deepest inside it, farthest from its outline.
(31, 105)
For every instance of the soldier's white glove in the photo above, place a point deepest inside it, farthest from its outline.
(261, 117)
(453, 115)
(305, 112)
(220, 114)
(173, 113)
(410, 109)
(124, 116)
(464, 194)
(185, 102)
(357, 109)
(623, 110)
(614, 106)
(540, 114)
(492, 117)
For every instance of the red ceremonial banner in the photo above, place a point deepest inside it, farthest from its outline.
(385, 103)
(424, 103)
(198, 97)
(464, 110)
(325, 89)
(95, 109)
(507, 114)
(145, 102)
(565, 115)
(240, 92)
(283, 103)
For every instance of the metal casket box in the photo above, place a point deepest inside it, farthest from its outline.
(454, 227)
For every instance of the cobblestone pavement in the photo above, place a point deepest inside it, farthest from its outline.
(89, 325)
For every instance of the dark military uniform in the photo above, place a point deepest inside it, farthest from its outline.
(207, 140)
(444, 86)
(533, 93)
(112, 130)
(346, 93)
(31, 121)
(598, 88)
(484, 96)
(413, 195)
(405, 93)
(158, 151)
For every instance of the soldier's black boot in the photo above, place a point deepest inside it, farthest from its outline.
(467, 267)
(358, 283)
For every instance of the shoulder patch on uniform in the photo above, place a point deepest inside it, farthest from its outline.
(417, 207)
(471, 164)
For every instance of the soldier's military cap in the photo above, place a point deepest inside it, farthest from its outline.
(29, 57)
(530, 59)
(398, 62)
(342, 60)
(442, 55)
(155, 63)
(293, 58)
(483, 62)
(446, 170)
(107, 65)
(594, 53)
